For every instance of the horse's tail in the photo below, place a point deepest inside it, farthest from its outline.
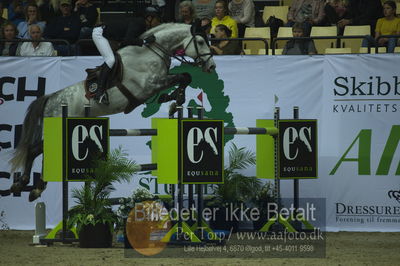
(32, 131)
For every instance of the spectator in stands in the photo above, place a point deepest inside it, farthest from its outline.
(225, 47)
(299, 47)
(49, 9)
(187, 13)
(206, 25)
(32, 16)
(388, 25)
(161, 6)
(222, 17)
(334, 11)
(67, 26)
(243, 12)
(362, 12)
(308, 12)
(9, 47)
(126, 32)
(3, 21)
(204, 8)
(16, 11)
(35, 48)
(87, 14)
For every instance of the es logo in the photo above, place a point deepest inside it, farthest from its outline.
(297, 154)
(291, 136)
(363, 159)
(202, 151)
(195, 138)
(87, 139)
(81, 136)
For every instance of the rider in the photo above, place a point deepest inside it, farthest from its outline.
(127, 32)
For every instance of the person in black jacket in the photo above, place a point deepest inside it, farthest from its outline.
(9, 32)
(127, 32)
(67, 26)
(362, 12)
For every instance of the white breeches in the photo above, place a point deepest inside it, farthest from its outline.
(103, 46)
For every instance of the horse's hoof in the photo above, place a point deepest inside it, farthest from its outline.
(34, 194)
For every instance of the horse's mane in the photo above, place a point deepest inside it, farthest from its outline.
(164, 27)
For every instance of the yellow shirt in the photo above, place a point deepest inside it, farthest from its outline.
(388, 27)
(227, 21)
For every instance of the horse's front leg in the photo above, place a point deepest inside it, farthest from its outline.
(183, 80)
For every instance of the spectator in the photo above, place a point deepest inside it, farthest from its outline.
(35, 48)
(206, 25)
(187, 13)
(243, 12)
(9, 47)
(225, 47)
(87, 14)
(32, 16)
(388, 25)
(66, 26)
(49, 9)
(299, 47)
(3, 21)
(16, 11)
(334, 11)
(362, 12)
(204, 8)
(222, 17)
(308, 12)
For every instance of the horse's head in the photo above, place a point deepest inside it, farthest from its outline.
(196, 47)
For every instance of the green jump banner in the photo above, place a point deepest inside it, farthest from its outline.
(70, 148)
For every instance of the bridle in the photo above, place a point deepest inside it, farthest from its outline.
(198, 60)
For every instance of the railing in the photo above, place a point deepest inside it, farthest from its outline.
(265, 41)
(273, 45)
(53, 41)
(384, 36)
(242, 39)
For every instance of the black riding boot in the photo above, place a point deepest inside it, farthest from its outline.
(101, 95)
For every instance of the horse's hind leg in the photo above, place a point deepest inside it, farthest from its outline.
(34, 151)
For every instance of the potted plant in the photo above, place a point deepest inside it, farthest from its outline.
(92, 215)
(237, 190)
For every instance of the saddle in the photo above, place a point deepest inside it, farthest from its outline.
(114, 80)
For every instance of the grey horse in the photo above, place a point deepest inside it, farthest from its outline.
(145, 73)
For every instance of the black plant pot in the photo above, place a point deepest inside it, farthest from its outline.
(97, 236)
